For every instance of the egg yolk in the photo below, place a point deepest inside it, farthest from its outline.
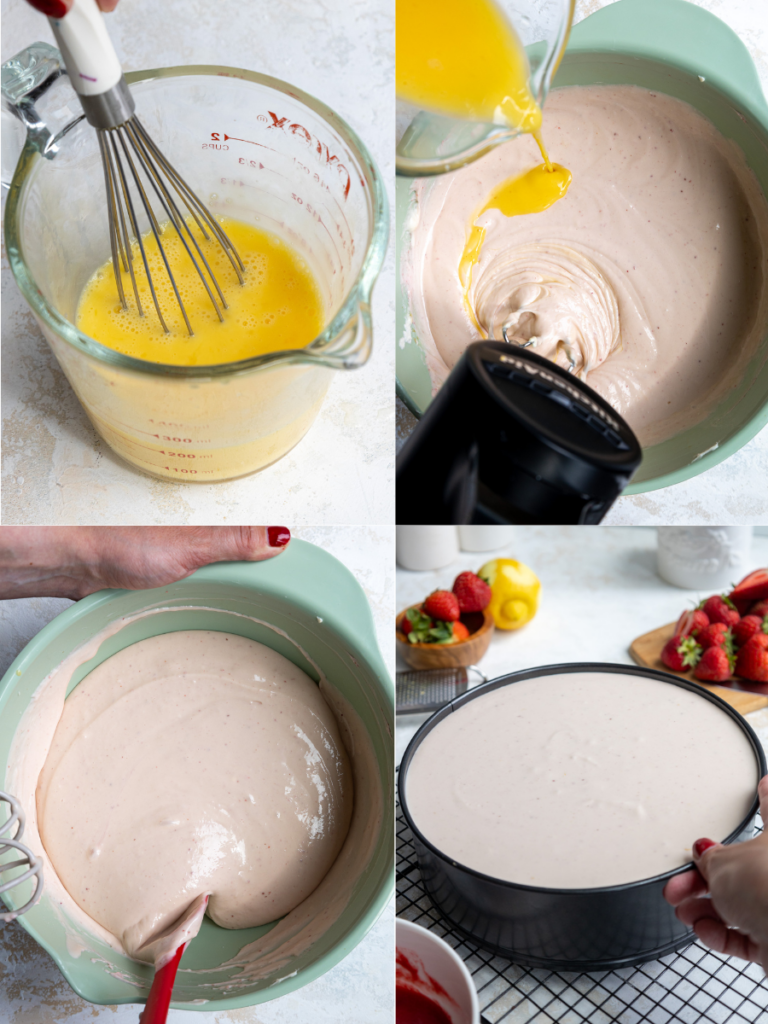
(277, 307)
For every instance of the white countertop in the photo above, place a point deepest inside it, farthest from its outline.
(735, 491)
(599, 590)
(56, 468)
(359, 990)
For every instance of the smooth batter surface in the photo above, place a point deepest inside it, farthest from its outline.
(193, 762)
(648, 278)
(581, 780)
(277, 307)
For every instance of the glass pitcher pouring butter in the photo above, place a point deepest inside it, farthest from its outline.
(472, 74)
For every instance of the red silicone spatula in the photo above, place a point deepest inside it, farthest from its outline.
(166, 950)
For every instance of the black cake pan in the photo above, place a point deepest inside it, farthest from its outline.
(562, 929)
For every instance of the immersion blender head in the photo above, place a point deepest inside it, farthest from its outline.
(513, 438)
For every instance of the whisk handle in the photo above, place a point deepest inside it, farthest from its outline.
(159, 998)
(87, 50)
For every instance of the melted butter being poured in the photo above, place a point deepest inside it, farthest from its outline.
(532, 192)
(278, 307)
(462, 58)
(465, 60)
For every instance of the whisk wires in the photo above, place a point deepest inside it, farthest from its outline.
(8, 843)
(130, 157)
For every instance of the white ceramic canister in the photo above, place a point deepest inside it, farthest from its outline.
(485, 538)
(426, 547)
(706, 558)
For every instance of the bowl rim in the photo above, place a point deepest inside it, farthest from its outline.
(321, 350)
(564, 669)
(411, 927)
(626, 29)
(284, 577)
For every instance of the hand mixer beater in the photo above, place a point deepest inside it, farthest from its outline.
(8, 868)
(134, 167)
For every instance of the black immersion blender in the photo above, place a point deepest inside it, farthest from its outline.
(513, 438)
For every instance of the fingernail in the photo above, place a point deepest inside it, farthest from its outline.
(278, 536)
(52, 8)
(702, 845)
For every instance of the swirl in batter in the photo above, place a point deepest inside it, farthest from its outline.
(648, 278)
(193, 762)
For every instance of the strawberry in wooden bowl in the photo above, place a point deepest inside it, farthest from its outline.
(450, 628)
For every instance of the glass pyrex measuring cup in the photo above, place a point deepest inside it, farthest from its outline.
(253, 148)
(429, 143)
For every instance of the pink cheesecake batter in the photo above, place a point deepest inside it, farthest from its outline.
(193, 762)
(581, 780)
(648, 279)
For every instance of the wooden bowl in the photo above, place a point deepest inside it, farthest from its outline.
(466, 652)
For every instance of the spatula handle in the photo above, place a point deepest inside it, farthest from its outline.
(159, 998)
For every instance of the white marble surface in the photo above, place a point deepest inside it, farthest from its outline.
(56, 468)
(735, 491)
(599, 590)
(359, 990)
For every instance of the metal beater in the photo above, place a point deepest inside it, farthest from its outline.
(134, 167)
(26, 857)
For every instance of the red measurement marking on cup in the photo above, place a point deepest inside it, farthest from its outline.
(284, 124)
(184, 455)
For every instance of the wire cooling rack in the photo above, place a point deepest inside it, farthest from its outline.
(694, 986)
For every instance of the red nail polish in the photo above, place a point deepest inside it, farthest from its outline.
(702, 845)
(52, 8)
(278, 536)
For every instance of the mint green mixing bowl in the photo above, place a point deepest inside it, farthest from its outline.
(291, 592)
(677, 48)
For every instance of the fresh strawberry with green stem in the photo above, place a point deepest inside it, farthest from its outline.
(442, 604)
(720, 608)
(752, 659)
(748, 626)
(472, 592)
(714, 635)
(680, 653)
(714, 666)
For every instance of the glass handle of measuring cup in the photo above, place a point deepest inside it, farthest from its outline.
(36, 94)
(350, 346)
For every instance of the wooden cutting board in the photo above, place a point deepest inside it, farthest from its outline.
(646, 651)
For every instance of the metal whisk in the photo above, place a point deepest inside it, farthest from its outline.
(26, 857)
(134, 167)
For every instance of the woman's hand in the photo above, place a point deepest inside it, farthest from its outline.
(734, 919)
(58, 8)
(72, 561)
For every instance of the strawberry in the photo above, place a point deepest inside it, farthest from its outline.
(761, 609)
(712, 636)
(685, 623)
(719, 608)
(473, 593)
(747, 627)
(460, 631)
(752, 659)
(752, 588)
(442, 604)
(680, 653)
(714, 665)
(700, 620)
